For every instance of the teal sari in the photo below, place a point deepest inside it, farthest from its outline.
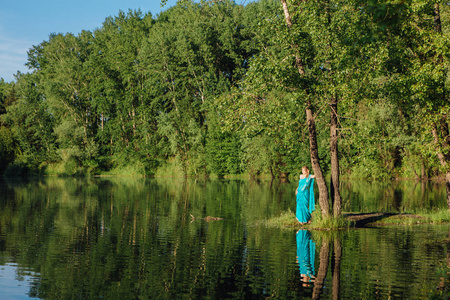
(305, 199)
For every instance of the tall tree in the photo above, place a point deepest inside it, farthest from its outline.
(127, 128)
(314, 151)
(193, 54)
(64, 75)
(31, 126)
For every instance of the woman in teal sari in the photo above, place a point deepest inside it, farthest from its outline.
(305, 197)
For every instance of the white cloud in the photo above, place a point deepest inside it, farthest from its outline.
(13, 47)
(13, 56)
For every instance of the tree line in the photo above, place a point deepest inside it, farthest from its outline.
(352, 88)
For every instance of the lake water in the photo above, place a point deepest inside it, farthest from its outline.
(124, 238)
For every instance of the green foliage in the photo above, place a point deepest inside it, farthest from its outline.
(7, 148)
(193, 53)
(223, 148)
(329, 223)
(286, 219)
(437, 216)
(412, 74)
(3, 94)
(171, 167)
(256, 156)
(273, 140)
(31, 124)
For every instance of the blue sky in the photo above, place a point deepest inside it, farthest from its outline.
(24, 23)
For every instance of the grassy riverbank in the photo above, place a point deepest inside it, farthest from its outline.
(287, 219)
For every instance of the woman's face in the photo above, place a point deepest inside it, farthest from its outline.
(304, 171)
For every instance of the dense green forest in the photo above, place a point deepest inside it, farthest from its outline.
(217, 88)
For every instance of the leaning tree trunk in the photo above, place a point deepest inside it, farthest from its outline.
(314, 151)
(336, 194)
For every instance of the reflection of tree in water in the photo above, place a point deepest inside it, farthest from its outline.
(337, 268)
(323, 269)
(306, 260)
(397, 196)
(135, 239)
(444, 284)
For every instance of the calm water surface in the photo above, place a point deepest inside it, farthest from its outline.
(122, 238)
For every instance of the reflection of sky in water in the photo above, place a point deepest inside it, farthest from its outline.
(15, 283)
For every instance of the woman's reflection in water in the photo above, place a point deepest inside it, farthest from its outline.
(306, 251)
